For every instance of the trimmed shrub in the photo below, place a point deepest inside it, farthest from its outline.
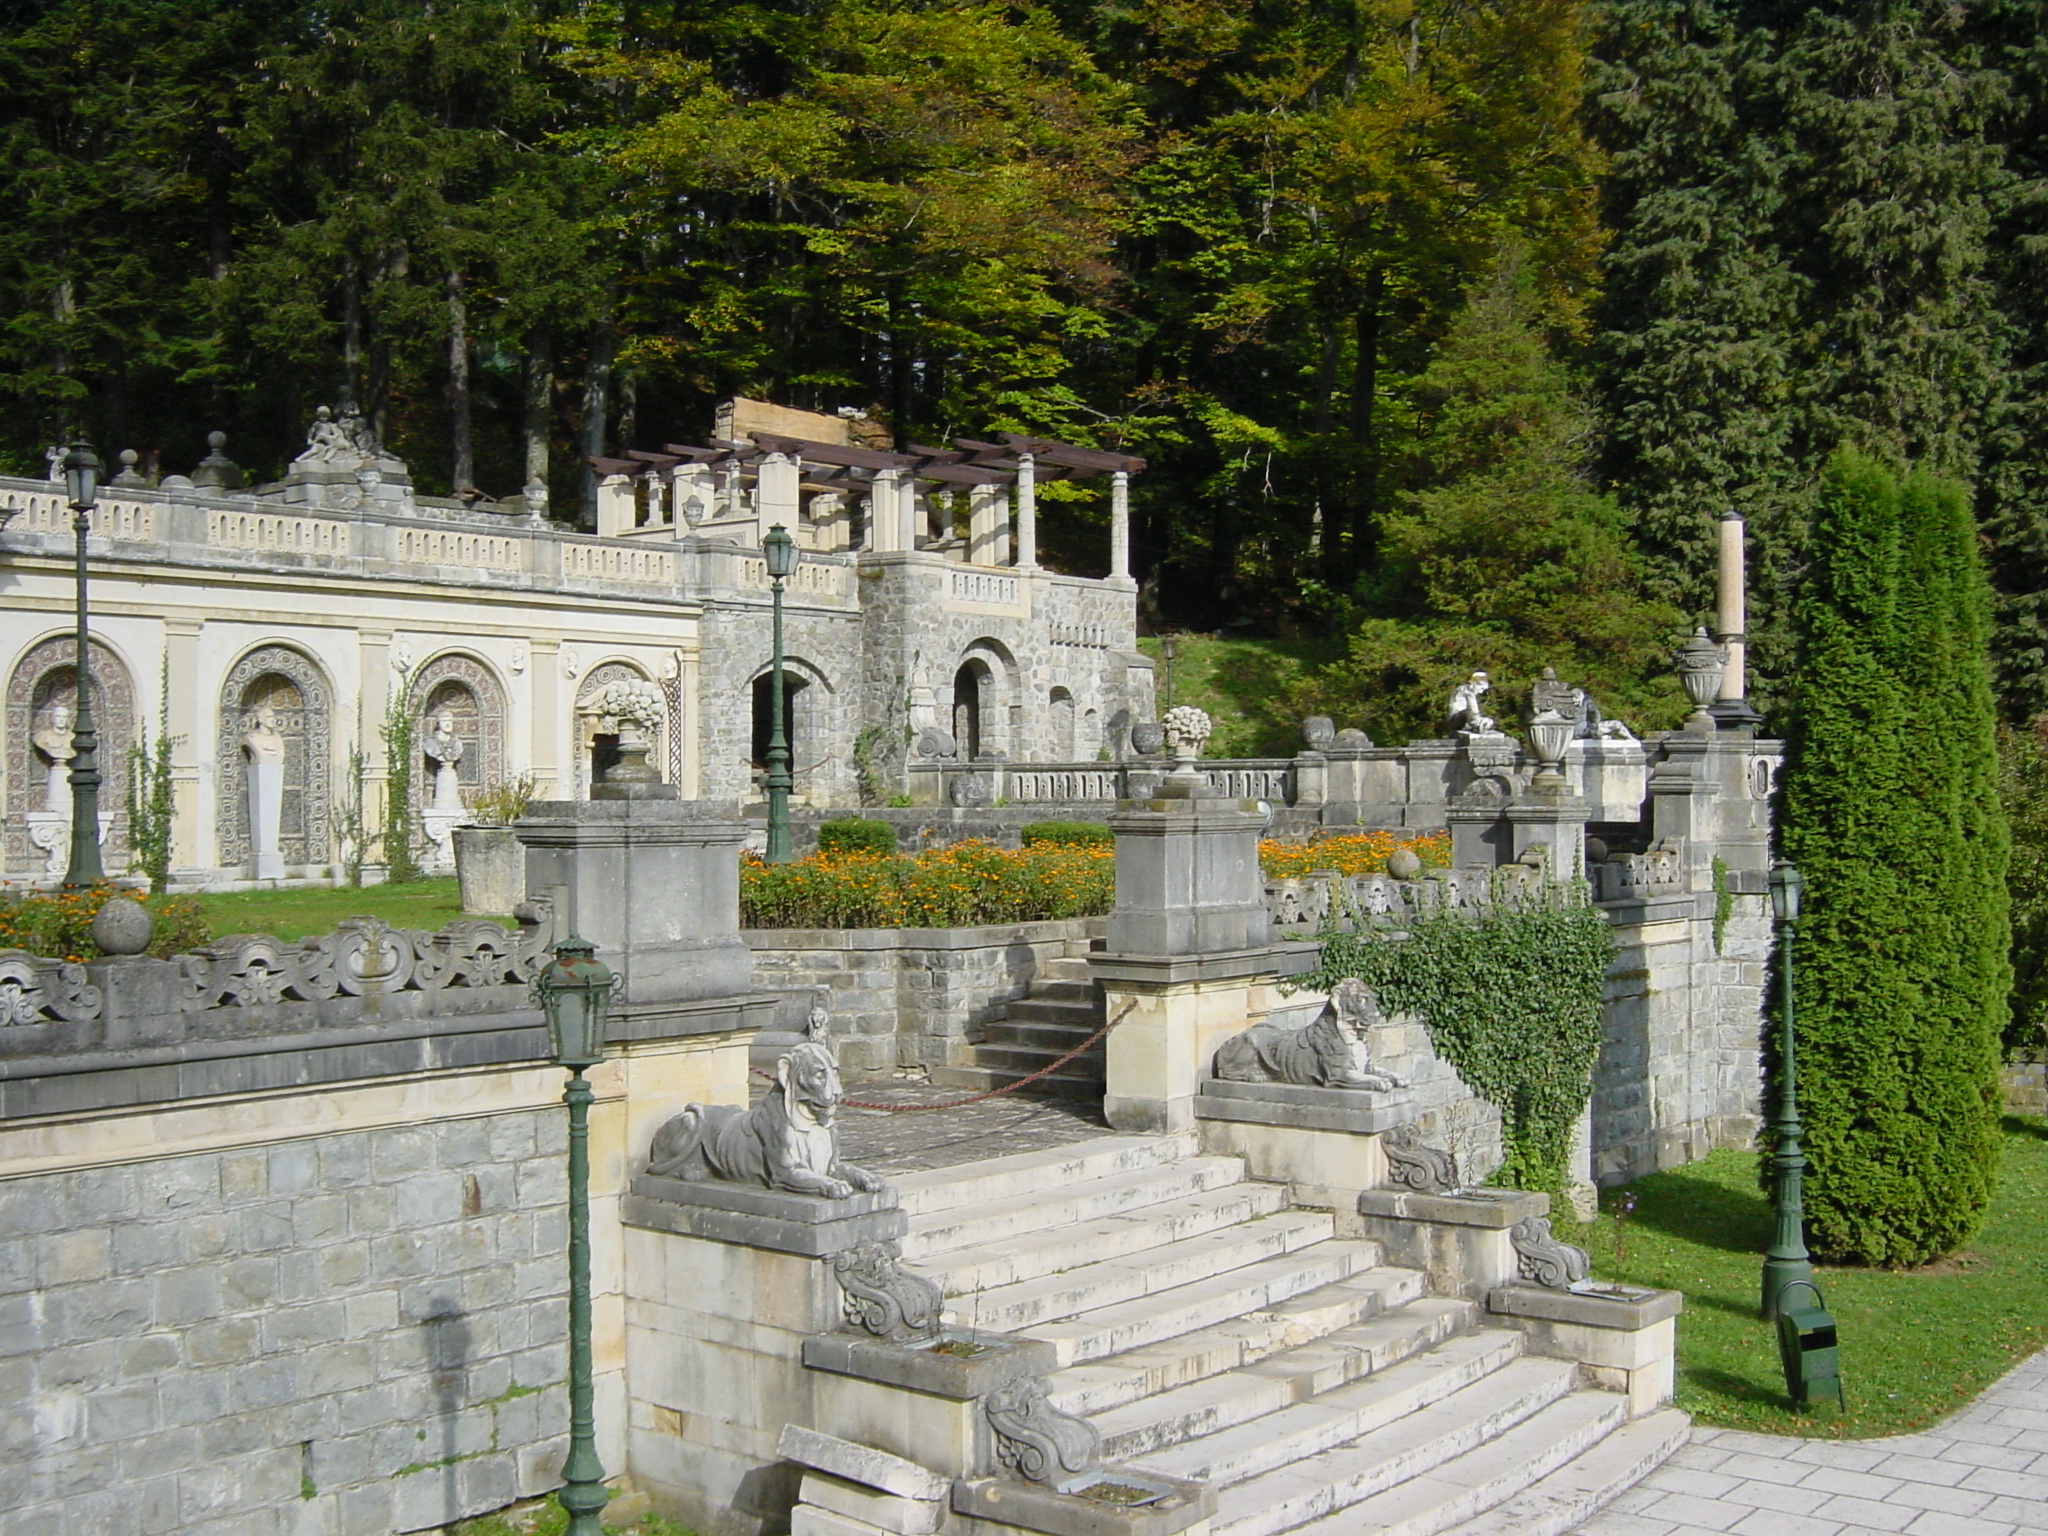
(1069, 834)
(856, 834)
(965, 885)
(1891, 812)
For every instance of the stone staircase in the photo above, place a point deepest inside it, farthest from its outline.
(1209, 1330)
(1062, 1008)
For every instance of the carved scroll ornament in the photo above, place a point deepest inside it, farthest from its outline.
(1038, 1442)
(884, 1298)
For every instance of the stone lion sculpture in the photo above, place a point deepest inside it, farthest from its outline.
(1329, 1053)
(788, 1141)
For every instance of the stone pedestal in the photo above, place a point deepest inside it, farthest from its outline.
(1625, 1337)
(266, 813)
(1553, 826)
(1324, 1143)
(1460, 1241)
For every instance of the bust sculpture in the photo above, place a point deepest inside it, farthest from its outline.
(53, 741)
(261, 740)
(1331, 1052)
(1467, 711)
(444, 747)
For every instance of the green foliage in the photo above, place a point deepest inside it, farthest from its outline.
(967, 884)
(1072, 834)
(1891, 811)
(306, 911)
(1512, 1001)
(1247, 687)
(1504, 558)
(151, 807)
(351, 830)
(856, 834)
(59, 923)
(868, 769)
(501, 803)
(1724, 901)
(2023, 791)
(400, 730)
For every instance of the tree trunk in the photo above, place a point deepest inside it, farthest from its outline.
(397, 265)
(597, 383)
(462, 465)
(1367, 324)
(540, 401)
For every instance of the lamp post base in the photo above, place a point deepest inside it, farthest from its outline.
(1779, 1273)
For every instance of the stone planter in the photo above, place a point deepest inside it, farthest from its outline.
(492, 868)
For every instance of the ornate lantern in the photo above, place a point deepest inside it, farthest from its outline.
(81, 476)
(575, 991)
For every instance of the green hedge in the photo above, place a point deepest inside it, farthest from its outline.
(1070, 834)
(856, 834)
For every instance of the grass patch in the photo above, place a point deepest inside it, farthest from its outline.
(301, 914)
(1916, 1344)
(1245, 686)
(544, 1517)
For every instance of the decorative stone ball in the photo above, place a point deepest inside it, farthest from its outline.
(1404, 864)
(123, 927)
(1352, 736)
(1596, 851)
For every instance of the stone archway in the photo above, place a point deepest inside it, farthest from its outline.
(45, 681)
(466, 693)
(292, 686)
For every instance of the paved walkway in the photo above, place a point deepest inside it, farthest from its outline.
(1982, 1472)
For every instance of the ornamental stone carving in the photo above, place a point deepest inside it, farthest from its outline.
(1546, 1260)
(1330, 1052)
(1038, 1442)
(285, 682)
(36, 990)
(885, 1299)
(1411, 1165)
(42, 697)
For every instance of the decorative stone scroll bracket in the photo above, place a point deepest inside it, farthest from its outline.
(1037, 1442)
(885, 1299)
(1411, 1165)
(36, 990)
(1542, 1259)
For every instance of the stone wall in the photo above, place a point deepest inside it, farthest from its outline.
(910, 996)
(354, 1333)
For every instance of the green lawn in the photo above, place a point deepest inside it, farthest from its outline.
(1916, 1345)
(1244, 685)
(299, 914)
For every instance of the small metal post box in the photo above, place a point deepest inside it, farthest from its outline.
(1808, 1347)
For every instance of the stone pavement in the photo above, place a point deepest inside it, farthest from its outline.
(1981, 1472)
(910, 1143)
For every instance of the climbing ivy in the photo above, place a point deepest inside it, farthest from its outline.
(1511, 1000)
(1724, 901)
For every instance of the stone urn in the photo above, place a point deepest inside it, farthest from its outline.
(1148, 738)
(490, 866)
(1549, 735)
(1700, 664)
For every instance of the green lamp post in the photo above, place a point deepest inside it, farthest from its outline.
(575, 991)
(81, 487)
(1786, 1263)
(778, 552)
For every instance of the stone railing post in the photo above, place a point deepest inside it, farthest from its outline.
(1189, 960)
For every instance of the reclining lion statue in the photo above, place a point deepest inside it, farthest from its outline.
(1329, 1053)
(787, 1141)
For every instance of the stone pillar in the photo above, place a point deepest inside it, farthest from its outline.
(1555, 824)
(1120, 528)
(1731, 708)
(988, 525)
(1027, 512)
(1188, 962)
(189, 807)
(776, 496)
(614, 505)
(1683, 788)
(914, 532)
(885, 511)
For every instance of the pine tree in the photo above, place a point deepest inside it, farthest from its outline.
(1890, 810)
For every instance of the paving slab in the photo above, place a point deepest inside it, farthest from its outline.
(1980, 1472)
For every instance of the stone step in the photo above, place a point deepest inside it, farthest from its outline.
(1022, 1059)
(1067, 989)
(1089, 1286)
(1072, 966)
(1071, 1247)
(1394, 1459)
(1023, 1173)
(1034, 1009)
(1037, 1212)
(1148, 1319)
(1054, 1085)
(1297, 1430)
(1557, 1503)
(1460, 1489)
(1298, 1323)
(1267, 1385)
(1053, 1039)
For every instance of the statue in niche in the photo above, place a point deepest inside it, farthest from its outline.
(264, 747)
(1467, 710)
(1331, 1052)
(53, 741)
(261, 740)
(789, 1141)
(445, 748)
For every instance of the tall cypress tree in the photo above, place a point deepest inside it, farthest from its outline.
(1890, 809)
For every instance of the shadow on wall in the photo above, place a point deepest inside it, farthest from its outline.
(448, 1353)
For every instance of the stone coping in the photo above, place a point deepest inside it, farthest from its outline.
(919, 1368)
(1176, 970)
(1181, 1503)
(1360, 1111)
(658, 1020)
(1639, 1308)
(1498, 1209)
(763, 1218)
(986, 936)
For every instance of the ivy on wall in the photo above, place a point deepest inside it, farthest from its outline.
(1512, 1001)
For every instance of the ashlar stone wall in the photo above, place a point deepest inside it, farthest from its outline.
(347, 1335)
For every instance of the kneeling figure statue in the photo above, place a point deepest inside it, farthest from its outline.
(789, 1141)
(1329, 1053)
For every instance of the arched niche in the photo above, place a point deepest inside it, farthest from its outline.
(468, 693)
(1066, 746)
(806, 704)
(292, 687)
(597, 743)
(985, 703)
(45, 681)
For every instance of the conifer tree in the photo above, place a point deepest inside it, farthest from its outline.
(1891, 812)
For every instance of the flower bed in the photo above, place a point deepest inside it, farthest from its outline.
(58, 924)
(967, 884)
(1349, 853)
